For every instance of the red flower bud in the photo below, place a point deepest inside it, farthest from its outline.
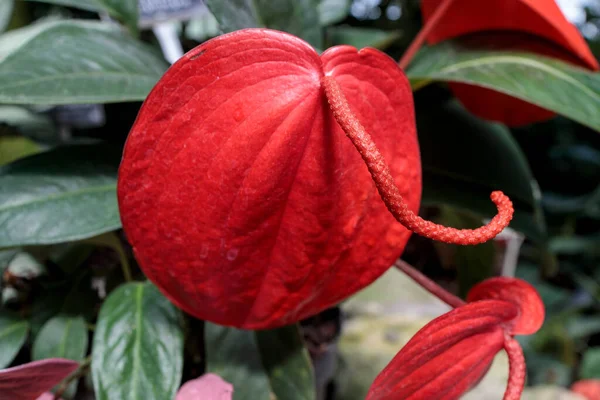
(588, 388)
(243, 199)
(454, 351)
(536, 26)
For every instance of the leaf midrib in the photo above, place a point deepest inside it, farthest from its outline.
(61, 196)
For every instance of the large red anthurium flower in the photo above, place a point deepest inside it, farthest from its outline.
(453, 352)
(536, 26)
(245, 202)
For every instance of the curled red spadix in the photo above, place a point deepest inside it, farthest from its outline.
(245, 202)
(536, 26)
(453, 352)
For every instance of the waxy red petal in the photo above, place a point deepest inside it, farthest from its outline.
(244, 201)
(448, 356)
(541, 18)
(28, 381)
(543, 30)
(518, 292)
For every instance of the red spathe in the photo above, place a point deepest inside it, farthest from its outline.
(243, 199)
(544, 30)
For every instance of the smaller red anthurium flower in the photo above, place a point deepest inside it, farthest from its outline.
(588, 388)
(454, 351)
(534, 26)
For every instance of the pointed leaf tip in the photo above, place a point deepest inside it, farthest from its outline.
(28, 381)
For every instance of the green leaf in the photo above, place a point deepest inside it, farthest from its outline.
(287, 363)
(557, 86)
(6, 10)
(14, 147)
(13, 332)
(125, 10)
(260, 364)
(98, 63)
(590, 364)
(461, 154)
(138, 345)
(333, 11)
(62, 336)
(298, 17)
(65, 194)
(361, 37)
(233, 355)
(26, 122)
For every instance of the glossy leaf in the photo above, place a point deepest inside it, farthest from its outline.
(253, 178)
(138, 345)
(28, 381)
(62, 336)
(64, 194)
(125, 10)
(287, 363)
(361, 37)
(333, 11)
(208, 386)
(460, 156)
(98, 64)
(554, 85)
(298, 17)
(233, 355)
(6, 10)
(13, 333)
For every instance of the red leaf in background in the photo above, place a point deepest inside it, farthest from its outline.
(588, 388)
(28, 381)
(542, 28)
(243, 199)
(207, 387)
(453, 352)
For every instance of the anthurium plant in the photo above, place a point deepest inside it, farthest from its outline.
(191, 231)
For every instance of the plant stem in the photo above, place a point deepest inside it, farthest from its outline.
(78, 373)
(423, 33)
(429, 285)
(516, 375)
(390, 193)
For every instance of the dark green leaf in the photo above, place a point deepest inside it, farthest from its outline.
(138, 345)
(575, 245)
(590, 364)
(46, 306)
(62, 336)
(333, 11)
(361, 37)
(233, 355)
(13, 332)
(287, 363)
(6, 10)
(125, 10)
(98, 63)
(551, 84)
(298, 17)
(262, 364)
(65, 194)
(460, 156)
